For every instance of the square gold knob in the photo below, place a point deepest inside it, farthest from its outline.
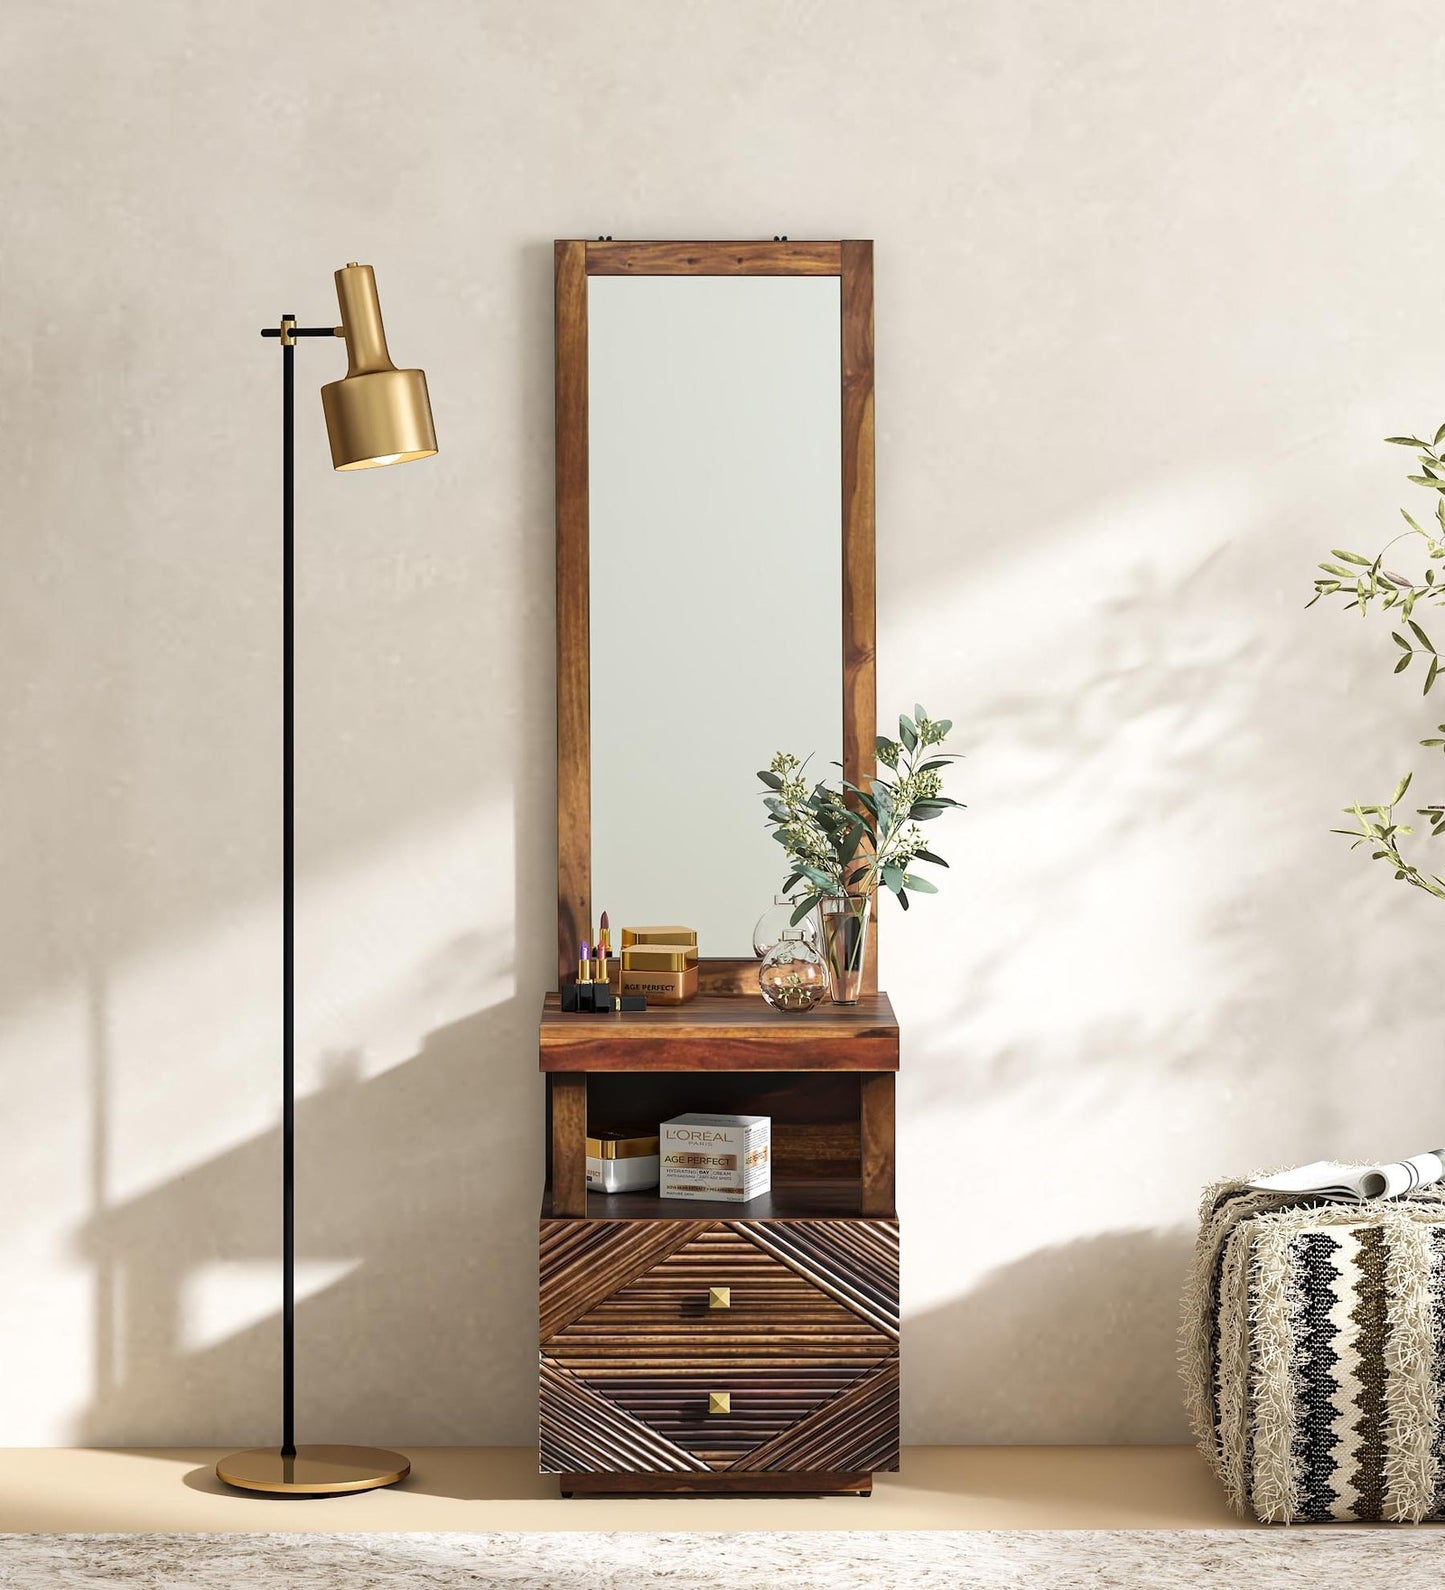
(719, 1402)
(719, 1297)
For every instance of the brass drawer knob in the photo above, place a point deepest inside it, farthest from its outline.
(719, 1297)
(719, 1402)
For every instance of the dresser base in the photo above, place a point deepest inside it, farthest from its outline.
(734, 1484)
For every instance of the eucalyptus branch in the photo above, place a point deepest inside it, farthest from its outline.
(851, 840)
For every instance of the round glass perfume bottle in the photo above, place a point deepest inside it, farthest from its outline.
(777, 920)
(793, 976)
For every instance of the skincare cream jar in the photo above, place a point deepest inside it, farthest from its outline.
(664, 974)
(622, 1161)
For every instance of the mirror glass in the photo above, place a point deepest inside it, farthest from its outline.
(715, 554)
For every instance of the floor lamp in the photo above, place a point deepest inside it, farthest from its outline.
(376, 414)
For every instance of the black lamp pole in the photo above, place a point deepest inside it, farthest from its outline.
(288, 331)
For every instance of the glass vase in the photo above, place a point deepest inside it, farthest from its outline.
(792, 976)
(777, 921)
(843, 939)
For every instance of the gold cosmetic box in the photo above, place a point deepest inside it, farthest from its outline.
(663, 973)
(660, 935)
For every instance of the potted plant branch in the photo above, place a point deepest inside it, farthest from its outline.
(843, 841)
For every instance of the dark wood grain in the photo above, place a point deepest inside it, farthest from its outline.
(716, 1032)
(574, 703)
(860, 706)
(859, 1430)
(567, 1113)
(581, 1261)
(812, 1199)
(725, 1484)
(876, 1123)
(713, 259)
(806, 1353)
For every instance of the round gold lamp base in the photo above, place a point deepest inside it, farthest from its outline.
(314, 1471)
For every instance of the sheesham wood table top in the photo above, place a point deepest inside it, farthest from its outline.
(722, 1032)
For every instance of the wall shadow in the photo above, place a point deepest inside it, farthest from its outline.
(1088, 1327)
(407, 1177)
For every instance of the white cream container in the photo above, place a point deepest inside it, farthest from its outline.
(621, 1162)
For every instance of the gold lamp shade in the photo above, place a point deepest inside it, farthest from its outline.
(376, 414)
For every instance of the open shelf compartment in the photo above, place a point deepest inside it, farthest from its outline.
(832, 1140)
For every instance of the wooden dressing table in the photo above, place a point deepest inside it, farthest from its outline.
(711, 1348)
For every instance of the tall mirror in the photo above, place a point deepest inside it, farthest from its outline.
(715, 570)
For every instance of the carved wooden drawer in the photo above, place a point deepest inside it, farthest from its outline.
(676, 1346)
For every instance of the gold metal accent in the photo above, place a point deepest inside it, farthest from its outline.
(620, 1145)
(659, 935)
(288, 331)
(660, 988)
(658, 957)
(719, 1297)
(719, 1402)
(314, 1471)
(376, 414)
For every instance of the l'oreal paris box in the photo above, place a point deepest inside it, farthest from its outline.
(724, 1158)
(624, 1161)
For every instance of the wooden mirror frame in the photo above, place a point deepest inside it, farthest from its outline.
(852, 263)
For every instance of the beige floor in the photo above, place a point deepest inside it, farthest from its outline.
(472, 1488)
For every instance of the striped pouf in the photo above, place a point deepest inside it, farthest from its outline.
(1314, 1354)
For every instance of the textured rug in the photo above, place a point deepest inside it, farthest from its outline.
(1350, 1559)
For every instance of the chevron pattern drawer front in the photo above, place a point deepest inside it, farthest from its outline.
(703, 1346)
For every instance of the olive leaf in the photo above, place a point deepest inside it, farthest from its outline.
(1363, 582)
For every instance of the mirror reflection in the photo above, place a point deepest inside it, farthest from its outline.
(714, 435)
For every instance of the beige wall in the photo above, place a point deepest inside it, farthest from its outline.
(1152, 280)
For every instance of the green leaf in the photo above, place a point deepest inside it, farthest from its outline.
(1405, 441)
(771, 780)
(1430, 675)
(903, 900)
(1427, 480)
(938, 861)
(1404, 662)
(882, 743)
(1400, 789)
(1400, 640)
(919, 885)
(918, 713)
(807, 904)
(1439, 437)
(907, 733)
(1420, 635)
(944, 725)
(1352, 557)
(893, 877)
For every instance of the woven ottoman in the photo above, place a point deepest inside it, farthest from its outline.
(1313, 1352)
